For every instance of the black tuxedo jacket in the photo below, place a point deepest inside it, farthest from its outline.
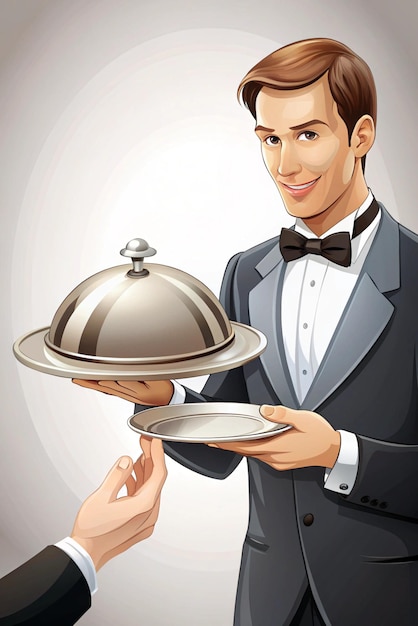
(360, 554)
(47, 590)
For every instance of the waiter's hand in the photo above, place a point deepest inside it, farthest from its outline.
(148, 393)
(310, 441)
(107, 525)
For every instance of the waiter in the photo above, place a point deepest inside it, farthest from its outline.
(332, 535)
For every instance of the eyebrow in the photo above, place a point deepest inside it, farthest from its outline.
(297, 127)
(268, 130)
(305, 124)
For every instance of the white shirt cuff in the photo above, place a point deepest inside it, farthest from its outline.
(179, 395)
(82, 559)
(342, 476)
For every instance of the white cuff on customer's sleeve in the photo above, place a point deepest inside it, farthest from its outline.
(342, 476)
(179, 395)
(82, 559)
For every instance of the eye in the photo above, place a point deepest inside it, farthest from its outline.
(272, 140)
(307, 135)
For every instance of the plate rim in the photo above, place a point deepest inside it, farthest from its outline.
(275, 430)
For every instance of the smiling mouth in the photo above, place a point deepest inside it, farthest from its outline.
(305, 186)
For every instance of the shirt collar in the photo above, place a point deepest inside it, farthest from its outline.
(346, 225)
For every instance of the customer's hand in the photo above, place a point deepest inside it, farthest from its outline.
(107, 525)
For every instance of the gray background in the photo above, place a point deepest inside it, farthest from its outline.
(119, 119)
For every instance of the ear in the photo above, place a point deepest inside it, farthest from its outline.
(363, 136)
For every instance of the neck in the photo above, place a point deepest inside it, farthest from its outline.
(349, 201)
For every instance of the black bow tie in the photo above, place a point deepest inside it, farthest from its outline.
(335, 247)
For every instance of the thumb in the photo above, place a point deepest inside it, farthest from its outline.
(279, 414)
(116, 478)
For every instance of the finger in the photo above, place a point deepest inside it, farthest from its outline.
(143, 501)
(254, 447)
(103, 387)
(139, 472)
(145, 443)
(158, 457)
(89, 384)
(116, 478)
(148, 494)
(232, 446)
(147, 466)
(281, 415)
(146, 460)
(139, 390)
(135, 386)
(157, 451)
(144, 504)
(243, 447)
(113, 387)
(131, 485)
(235, 446)
(150, 393)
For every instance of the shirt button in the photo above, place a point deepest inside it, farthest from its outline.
(305, 325)
(304, 372)
(308, 519)
(312, 283)
(344, 486)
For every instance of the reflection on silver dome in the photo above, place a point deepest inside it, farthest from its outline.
(166, 315)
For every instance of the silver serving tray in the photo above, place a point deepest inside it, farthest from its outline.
(205, 422)
(31, 350)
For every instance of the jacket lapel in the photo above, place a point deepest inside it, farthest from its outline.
(264, 312)
(366, 315)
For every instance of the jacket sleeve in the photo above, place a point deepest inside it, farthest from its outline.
(47, 590)
(387, 478)
(387, 474)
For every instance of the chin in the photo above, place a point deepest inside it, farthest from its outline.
(303, 212)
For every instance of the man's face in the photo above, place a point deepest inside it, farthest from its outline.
(305, 147)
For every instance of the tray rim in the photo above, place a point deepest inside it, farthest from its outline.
(235, 355)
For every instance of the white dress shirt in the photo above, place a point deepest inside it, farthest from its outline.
(315, 294)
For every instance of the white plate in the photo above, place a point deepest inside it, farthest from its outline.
(205, 422)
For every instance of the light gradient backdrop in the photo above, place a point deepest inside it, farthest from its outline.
(118, 119)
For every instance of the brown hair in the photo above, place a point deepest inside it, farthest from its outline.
(302, 63)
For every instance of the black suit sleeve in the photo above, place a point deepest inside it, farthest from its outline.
(47, 590)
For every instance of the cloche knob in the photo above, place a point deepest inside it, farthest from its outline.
(137, 249)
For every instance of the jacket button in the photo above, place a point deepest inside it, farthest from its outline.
(308, 519)
(364, 499)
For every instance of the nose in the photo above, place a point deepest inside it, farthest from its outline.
(287, 162)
